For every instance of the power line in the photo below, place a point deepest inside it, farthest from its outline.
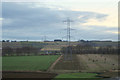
(68, 53)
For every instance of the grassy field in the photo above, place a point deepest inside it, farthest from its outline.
(28, 63)
(77, 75)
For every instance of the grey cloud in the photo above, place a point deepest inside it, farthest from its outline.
(43, 21)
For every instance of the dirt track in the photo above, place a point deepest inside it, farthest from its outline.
(52, 66)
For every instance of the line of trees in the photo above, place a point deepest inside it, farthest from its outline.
(90, 49)
(8, 51)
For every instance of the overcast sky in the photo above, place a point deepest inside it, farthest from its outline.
(92, 19)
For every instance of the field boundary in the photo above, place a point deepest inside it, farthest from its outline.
(21, 75)
(52, 66)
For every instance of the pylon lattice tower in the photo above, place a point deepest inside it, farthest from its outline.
(68, 53)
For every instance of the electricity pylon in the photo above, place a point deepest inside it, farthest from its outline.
(68, 53)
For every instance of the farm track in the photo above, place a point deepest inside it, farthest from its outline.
(52, 66)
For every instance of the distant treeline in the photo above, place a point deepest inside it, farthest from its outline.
(8, 51)
(90, 49)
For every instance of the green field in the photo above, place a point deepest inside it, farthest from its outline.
(77, 75)
(28, 63)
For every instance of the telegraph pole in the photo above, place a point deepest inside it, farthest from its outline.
(45, 50)
(68, 53)
(45, 38)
